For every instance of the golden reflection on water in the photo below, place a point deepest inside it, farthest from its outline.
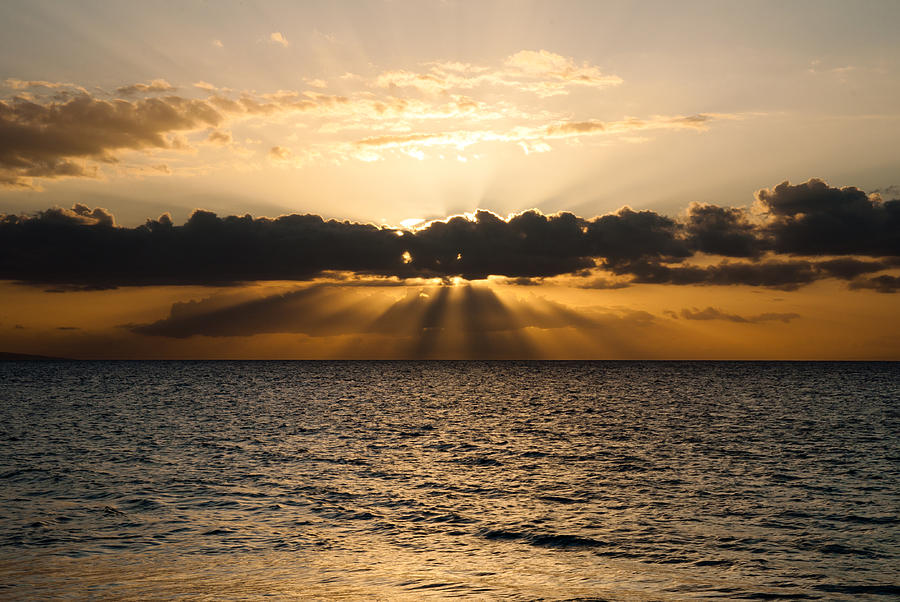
(381, 573)
(406, 480)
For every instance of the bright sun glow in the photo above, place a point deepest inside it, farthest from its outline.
(411, 222)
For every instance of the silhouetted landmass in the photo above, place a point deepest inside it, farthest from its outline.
(8, 356)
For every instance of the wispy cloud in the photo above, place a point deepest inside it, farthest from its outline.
(157, 85)
(59, 129)
(540, 72)
(535, 138)
(279, 153)
(19, 84)
(220, 137)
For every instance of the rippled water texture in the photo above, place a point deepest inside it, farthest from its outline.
(630, 480)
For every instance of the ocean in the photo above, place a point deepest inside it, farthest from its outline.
(471, 479)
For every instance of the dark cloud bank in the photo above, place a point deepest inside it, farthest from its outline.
(711, 313)
(801, 233)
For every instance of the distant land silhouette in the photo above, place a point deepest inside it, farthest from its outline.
(7, 356)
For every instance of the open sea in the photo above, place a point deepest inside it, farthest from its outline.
(416, 480)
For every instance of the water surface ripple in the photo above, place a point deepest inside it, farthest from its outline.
(408, 480)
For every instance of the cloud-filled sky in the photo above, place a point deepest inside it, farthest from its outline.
(450, 179)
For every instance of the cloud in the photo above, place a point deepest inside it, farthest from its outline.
(423, 82)
(18, 84)
(63, 246)
(771, 273)
(73, 133)
(279, 153)
(533, 138)
(882, 284)
(629, 236)
(157, 85)
(892, 191)
(47, 140)
(528, 244)
(57, 129)
(813, 218)
(847, 268)
(601, 283)
(220, 137)
(722, 231)
(841, 71)
(83, 246)
(73, 136)
(784, 275)
(711, 313)
(537, 72)
(558, 72)
(276, 37)
(95, 217)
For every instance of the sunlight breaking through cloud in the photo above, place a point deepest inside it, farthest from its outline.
(62, 130)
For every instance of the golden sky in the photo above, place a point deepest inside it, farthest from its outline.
(628, 180)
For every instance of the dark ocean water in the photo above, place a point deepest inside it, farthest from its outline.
(406, 480)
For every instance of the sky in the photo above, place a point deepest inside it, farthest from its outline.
(388, 179)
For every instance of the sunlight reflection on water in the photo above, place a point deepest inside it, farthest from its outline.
(631, 480)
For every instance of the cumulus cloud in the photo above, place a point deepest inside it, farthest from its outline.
(47, 140)
(63, 246)
(82, 246)
(814, 218)
(95, 217)
(71, 136)
(722, 231)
